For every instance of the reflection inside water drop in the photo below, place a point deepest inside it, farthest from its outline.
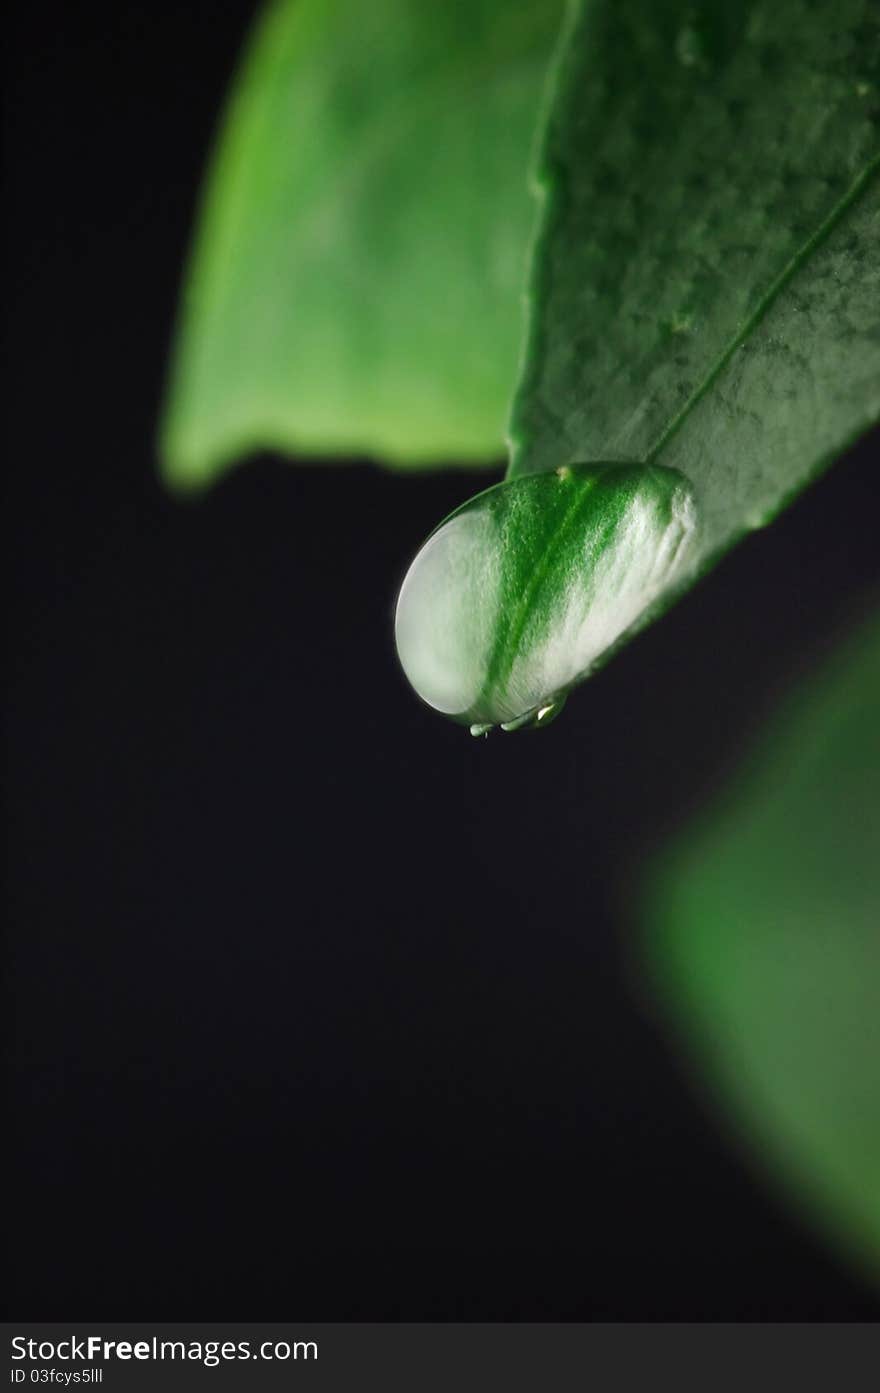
(517, 594)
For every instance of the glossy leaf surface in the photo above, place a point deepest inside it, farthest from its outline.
(765, 944)
(357, 276)
(707, 284)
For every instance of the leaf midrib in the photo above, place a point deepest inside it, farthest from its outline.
(783, 278)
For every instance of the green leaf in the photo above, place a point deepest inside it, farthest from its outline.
(707, 290)
(356, 280)
(765, 945)
(518, 593)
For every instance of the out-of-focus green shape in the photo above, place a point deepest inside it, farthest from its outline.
(357, 275)
(707, 281)
(765, 944)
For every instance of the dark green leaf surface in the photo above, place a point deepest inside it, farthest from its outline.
(707, 287)
(765, 944)
(356, 281)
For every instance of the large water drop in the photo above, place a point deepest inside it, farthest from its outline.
(519, 592)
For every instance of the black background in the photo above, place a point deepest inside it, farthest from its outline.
(322, 1009)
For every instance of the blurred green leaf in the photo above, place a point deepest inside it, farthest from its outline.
(765, 947)
(356, 280)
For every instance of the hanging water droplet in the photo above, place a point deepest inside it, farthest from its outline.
(520, 591)
(542, 716)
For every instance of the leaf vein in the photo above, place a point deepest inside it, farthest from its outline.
(789, 270)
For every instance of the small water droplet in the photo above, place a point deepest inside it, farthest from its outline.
(537, 719)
